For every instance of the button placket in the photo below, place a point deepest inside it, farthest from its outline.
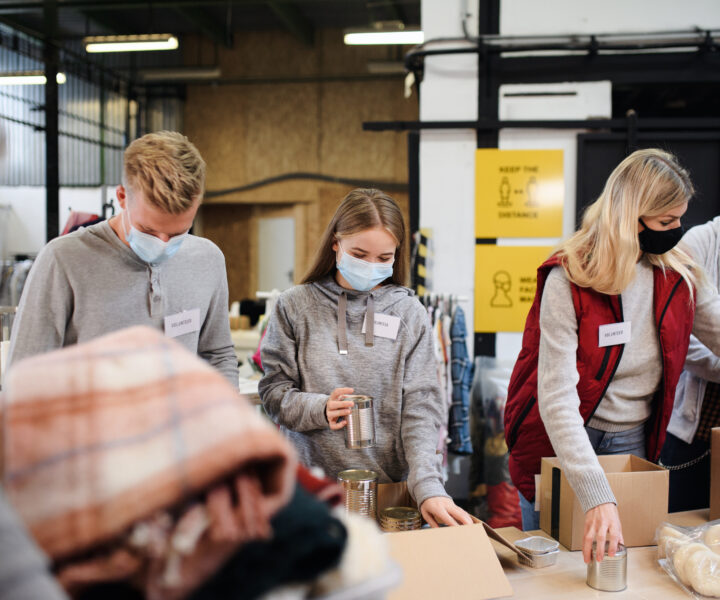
(156, 308)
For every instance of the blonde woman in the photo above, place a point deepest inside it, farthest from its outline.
(351, 326)
(606, 338)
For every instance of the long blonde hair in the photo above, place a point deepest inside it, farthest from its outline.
(603, 253)
(362, 209)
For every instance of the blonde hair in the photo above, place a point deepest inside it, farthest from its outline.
(603, 253)
(167, 168)
(360, 210)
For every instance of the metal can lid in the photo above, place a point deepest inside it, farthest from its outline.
(536, 544)
(399, 513)
(357, 475)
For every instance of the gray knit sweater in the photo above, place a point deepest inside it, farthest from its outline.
(303, 365)
(89, 283)
(626, 403)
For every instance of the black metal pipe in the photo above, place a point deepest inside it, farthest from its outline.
(52, 165)
(413, 150)
(493, 125)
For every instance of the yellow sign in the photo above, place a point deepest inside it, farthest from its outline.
(518, 193)
(505, 282)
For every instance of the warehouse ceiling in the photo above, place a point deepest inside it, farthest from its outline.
(217, 20)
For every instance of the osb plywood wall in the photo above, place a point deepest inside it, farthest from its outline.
(284, 107)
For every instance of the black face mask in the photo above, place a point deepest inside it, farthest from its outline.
(659, 242)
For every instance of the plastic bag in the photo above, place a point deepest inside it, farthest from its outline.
(691, 556)
(496, 500)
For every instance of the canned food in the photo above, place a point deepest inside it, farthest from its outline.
(359, 491)
(400, 518)
(360, 428)
(609, 575)
(538, 551)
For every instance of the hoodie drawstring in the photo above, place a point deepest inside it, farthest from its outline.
(370, 321)
(342, 323)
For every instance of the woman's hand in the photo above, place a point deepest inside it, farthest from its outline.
(602, 523)
(441, 510)
(338, 409)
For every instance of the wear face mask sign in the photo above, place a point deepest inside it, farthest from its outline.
(361, 274)
(150, 248)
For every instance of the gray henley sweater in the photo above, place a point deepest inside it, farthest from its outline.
(626, 403)
(89, 283)
(302, 364)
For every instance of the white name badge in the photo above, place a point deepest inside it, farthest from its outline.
(614, 334)
(385, 326)
(184, 322)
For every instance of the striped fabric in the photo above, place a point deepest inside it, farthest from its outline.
(98, 437)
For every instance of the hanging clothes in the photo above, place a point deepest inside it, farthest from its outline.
(462, 376)
(78, 219)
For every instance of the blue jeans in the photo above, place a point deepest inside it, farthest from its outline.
(631, 441)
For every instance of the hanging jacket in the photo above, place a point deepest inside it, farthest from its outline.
(525, 433)
(462, 375)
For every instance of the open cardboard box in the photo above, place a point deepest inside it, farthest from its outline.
(640, 488)
(715, 474)
(449, 562)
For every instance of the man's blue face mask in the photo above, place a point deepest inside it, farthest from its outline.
(148, 247)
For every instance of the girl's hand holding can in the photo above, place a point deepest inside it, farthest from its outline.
(337, 409)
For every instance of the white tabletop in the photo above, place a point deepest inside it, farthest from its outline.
(566, 578)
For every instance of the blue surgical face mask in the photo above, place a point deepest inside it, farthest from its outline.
(150, 248)
(362, 275)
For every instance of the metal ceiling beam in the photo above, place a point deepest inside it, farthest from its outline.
(111, 22)
(293, 20)
(37, 5)
(213, 29)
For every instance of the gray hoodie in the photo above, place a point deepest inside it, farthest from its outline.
(303, 365)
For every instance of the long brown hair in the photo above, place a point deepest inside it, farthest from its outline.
(362, 209)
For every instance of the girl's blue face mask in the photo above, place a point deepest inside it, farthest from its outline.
(361, 274)
(150, 248)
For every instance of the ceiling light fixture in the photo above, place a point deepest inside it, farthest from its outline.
(29, 78)
(130, 43)
(370, 37)
(180, 74)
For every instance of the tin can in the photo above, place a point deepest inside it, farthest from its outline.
(360, 428)
(609, 575)
(399, 518)
(359, 491)
(538, 551)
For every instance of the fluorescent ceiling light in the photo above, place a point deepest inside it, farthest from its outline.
(180, 74)
(130, 43)
(29, 78)
(373, 37)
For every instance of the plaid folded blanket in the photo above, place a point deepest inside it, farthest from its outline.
(132, 445)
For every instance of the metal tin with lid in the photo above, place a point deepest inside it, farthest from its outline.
(609, 575)
(360, 429)
(538, 551)
(359, 491)
(400, 518)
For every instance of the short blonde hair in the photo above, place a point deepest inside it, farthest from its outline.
(167, 168)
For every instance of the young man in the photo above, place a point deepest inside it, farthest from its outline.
(139, 268)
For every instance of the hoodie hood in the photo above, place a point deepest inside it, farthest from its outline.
(384, 297)
(355, 304)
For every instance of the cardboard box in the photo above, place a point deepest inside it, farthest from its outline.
(640, 487)
(715, 474)
(447, 562)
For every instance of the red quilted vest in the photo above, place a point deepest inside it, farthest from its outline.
(525, 433)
